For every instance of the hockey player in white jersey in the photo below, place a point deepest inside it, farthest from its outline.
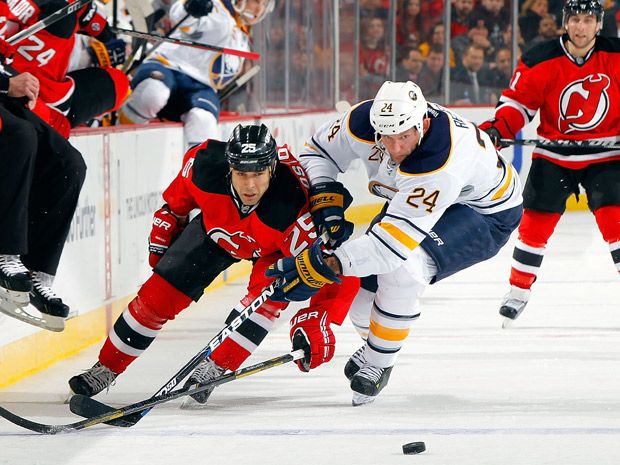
(452, 201)
(181, 83)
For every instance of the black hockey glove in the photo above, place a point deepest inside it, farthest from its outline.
(328, 201)
(111, 53)
(497, 129)
(302, 276)
(198, 8)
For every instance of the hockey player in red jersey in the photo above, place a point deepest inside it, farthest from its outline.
(573, 82)
(67, 99)
(254, 206)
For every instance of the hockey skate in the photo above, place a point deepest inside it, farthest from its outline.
(513, 304)
(92, 381)
(355, 362)
(15, 285)
(42, 297)
(368, 382)
(206, 371)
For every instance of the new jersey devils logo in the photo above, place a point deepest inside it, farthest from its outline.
(584, 104)
(238, 244)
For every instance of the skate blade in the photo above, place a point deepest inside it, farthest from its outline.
(15, 298)
(190, 403)
(361, 399)
(51, 323)
(507, 322)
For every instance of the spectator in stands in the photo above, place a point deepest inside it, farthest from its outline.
(478, 35)
(461, 17)
(40, 182)
(498, 76)
(508, 38)
(609, 19)
(547, 30)
(410, 66)
(532, 12)
(436, 36)
(495, 17)
(374, 59)
(409, 24)
(431, 12)
(430, 79)
(468, 85)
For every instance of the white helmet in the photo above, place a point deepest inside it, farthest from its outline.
(398, 106)
(239, 7)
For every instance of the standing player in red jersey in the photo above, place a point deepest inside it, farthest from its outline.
(253, 198)
(573, 82)
(67, 99)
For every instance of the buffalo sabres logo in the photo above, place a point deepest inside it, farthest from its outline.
(584, 104)
(237, 244)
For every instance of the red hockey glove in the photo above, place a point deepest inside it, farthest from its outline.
(498, 129)
(166, 228)
(310, 331)
(7, 52)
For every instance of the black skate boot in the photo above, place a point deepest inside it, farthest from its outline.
(15, 284)
(357, 361)
(206, 371)
(93, 380)
(368, 383)
(513, 305)
(53, 310)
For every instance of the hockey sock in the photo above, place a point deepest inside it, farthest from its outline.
(134, 331)
(608, 220)
(534, 232)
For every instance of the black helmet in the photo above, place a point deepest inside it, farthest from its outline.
(588, 7)
(251, 148)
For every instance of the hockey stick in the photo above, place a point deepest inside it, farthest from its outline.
(148, 403)
(238, 83)
(583, 144)
(189, 43)
(48, 21)
(87, 407)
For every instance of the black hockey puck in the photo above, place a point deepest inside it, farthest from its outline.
(414, 448)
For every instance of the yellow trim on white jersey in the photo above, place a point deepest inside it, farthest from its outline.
(388, 334)
(399, 235)
(349, 126)
(509, 175)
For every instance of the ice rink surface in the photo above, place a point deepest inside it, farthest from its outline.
(546, 391)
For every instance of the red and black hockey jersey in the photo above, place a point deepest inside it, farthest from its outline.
(46, 54)
(578, 99)
(280, 223)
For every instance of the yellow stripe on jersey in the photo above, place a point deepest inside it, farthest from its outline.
(399, 235)
(500, 192)
(161, 59)
(388, 334)
(362, 119)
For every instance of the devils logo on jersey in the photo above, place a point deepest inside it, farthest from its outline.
(584, 104)
(237, 244)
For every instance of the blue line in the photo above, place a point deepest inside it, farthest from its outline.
(517, 160)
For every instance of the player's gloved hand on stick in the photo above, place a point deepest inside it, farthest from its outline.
(111, 53)
(328, 201)
(310, 331)
(198, 8)
(166, 228)
(302, 276)
(497, 129)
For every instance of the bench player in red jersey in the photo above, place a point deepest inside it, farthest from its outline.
(573, 82)
(67, 99)
(253, 198)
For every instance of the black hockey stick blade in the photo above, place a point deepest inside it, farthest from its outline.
(148, 403)
(88, 407)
